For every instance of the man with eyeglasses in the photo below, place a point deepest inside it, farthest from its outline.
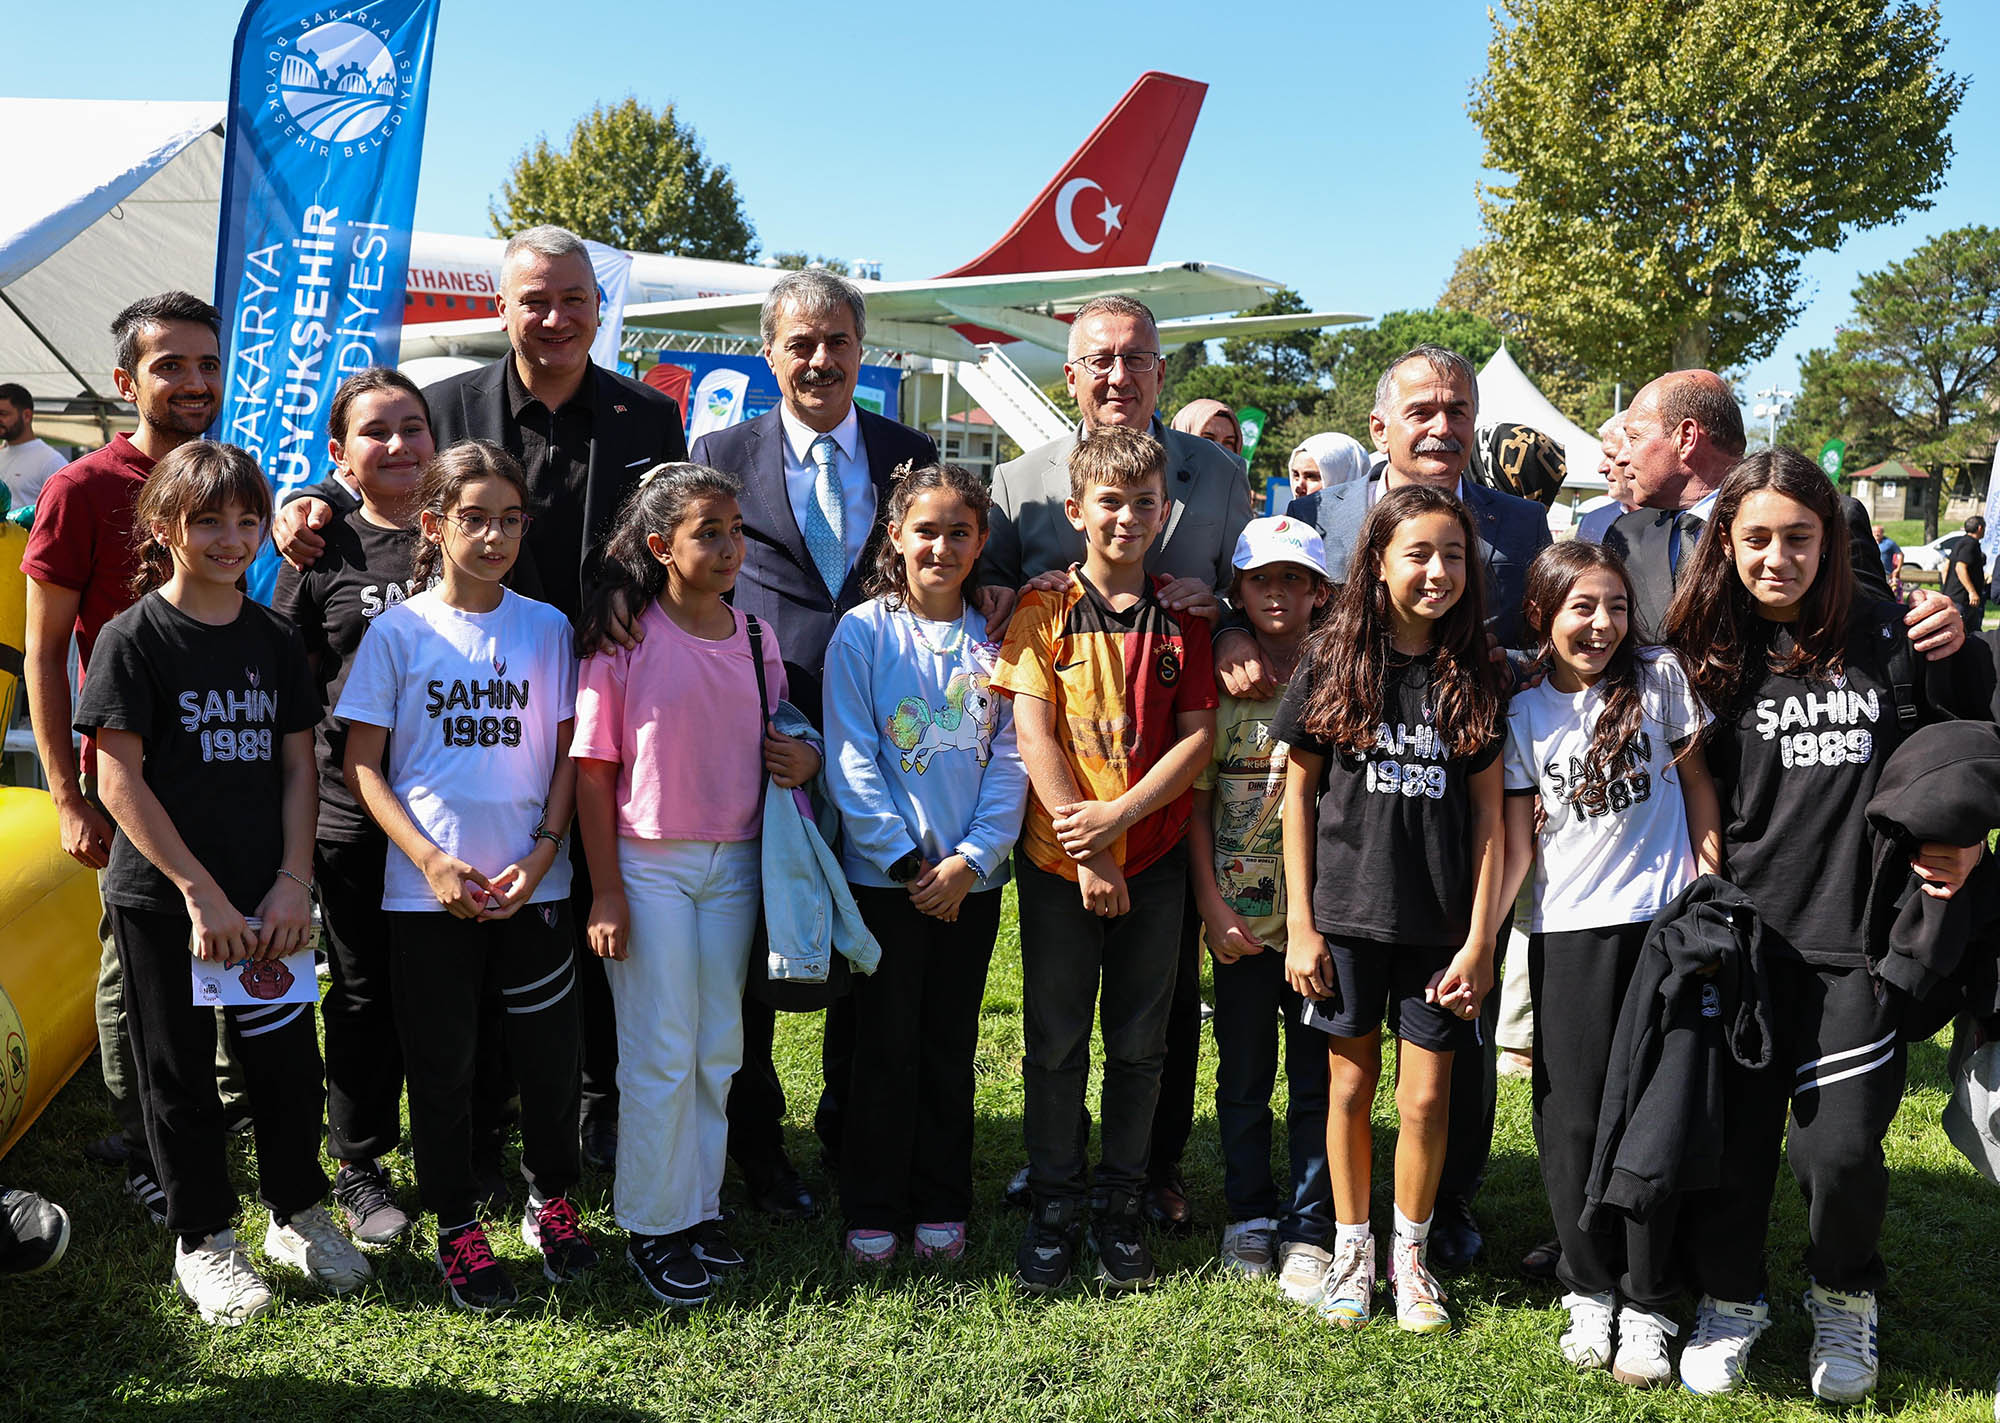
(1114, 373)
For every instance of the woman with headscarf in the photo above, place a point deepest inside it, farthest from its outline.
(1329, 458)
(1212, 420)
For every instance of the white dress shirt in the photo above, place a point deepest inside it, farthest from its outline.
(850, 466)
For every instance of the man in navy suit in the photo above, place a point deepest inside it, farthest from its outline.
(816, 472)
(1423, 419)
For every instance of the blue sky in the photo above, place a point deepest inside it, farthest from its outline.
(1333, 152)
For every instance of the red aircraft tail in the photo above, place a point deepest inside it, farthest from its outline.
(1104, 208)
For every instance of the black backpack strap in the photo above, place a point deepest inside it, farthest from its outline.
(755, 630)
(1902, 668)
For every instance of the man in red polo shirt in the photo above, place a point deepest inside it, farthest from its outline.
(80, 562)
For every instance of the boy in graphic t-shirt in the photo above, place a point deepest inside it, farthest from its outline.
(1114, 710)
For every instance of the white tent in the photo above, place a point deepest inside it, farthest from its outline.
(107, 201)
(1506, 393)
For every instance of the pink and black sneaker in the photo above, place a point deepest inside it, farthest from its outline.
(473, 1277)
(554, 1228)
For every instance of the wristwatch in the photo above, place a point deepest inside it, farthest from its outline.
(907, 868)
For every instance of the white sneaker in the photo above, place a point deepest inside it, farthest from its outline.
(1642, 1348)
(1587, 1341)
(1302, 1270)
(217, 1279)
(1349, 1292)
(1846, 1355)
(1718, 1347)
(1419, 1297)
(1247, 1247)
(318, 1249)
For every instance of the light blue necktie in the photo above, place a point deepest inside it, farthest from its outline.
(825, 531)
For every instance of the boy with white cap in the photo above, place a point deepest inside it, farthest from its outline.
(1236, 859)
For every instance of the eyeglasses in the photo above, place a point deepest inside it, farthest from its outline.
(511, 525)
(1137, 363)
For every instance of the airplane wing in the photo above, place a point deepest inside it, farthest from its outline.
(950, 317)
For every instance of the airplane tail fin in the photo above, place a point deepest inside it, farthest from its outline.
(1103, 209)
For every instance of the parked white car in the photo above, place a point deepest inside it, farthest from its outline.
(1931, 555)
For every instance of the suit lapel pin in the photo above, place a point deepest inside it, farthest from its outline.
(619, 408)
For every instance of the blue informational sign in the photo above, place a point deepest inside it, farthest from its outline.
(727, 390)
(319, 184)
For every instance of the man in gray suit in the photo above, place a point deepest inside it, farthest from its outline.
(1113, 372)
(1425, 407)
(1683, 434)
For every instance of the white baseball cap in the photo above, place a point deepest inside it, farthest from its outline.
(1280, 540)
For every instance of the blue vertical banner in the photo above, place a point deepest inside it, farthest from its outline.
(319, 185)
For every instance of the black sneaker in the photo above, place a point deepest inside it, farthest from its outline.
(554, 1228)
(366, 1198)
(710, 1245)
(33, 1233)
(1017, 1195)
(491, 1200)
(666, 1265)
(1042, 1262)
(141, 1187)
(110, 1150)
(1123, 1261)
(473, 1277)
(597, 1142)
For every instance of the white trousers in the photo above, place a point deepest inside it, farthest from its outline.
(679, 999)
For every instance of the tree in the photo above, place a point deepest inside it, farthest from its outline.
(1917, 371)
(1285, 357)
(630, 178)
(799, 261)
(1567, 383)
(1672, 161)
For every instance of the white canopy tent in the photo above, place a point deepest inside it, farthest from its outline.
(1506, 393)
(111, 201)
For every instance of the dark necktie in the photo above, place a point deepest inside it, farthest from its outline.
(1682, 537)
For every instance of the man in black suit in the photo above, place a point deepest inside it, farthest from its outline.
(816, 472)
(1683, 434)
(584, 435)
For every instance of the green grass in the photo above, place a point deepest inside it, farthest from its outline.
(806, 1337)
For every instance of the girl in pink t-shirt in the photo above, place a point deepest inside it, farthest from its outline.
(671, 758)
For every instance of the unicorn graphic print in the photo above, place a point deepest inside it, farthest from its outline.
(963, 723)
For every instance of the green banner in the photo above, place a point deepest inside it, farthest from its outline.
(1251, 419)
(1831, 456)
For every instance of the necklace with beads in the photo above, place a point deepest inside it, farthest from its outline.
(956, 636)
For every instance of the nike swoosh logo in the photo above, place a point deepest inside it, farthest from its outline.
(1065, 666)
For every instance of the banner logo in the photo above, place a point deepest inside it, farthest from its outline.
(338, 81)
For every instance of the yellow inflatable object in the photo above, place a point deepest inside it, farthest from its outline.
(48, 913)
(48, 961)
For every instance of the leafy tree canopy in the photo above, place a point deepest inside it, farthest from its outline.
(1670, 162)
(1916, 373)
(631, 178)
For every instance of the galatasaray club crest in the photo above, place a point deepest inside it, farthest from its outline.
(1169, 664)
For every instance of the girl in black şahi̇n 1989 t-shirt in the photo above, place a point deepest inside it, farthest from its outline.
(1803, 683)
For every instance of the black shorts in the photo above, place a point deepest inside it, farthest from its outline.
(1373, 982)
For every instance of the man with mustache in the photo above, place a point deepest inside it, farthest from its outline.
(1425, 405)
(80, 563)
(25, 461)
(816, 473)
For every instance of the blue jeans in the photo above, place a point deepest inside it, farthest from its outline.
(1066, 953)
(1251, 1000)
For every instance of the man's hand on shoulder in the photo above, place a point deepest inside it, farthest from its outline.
(1936, 629)
(1194, 596)
(1239, 666)
(296, 531)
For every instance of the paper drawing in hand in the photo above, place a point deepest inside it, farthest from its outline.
(265, 978)
(964, 724)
